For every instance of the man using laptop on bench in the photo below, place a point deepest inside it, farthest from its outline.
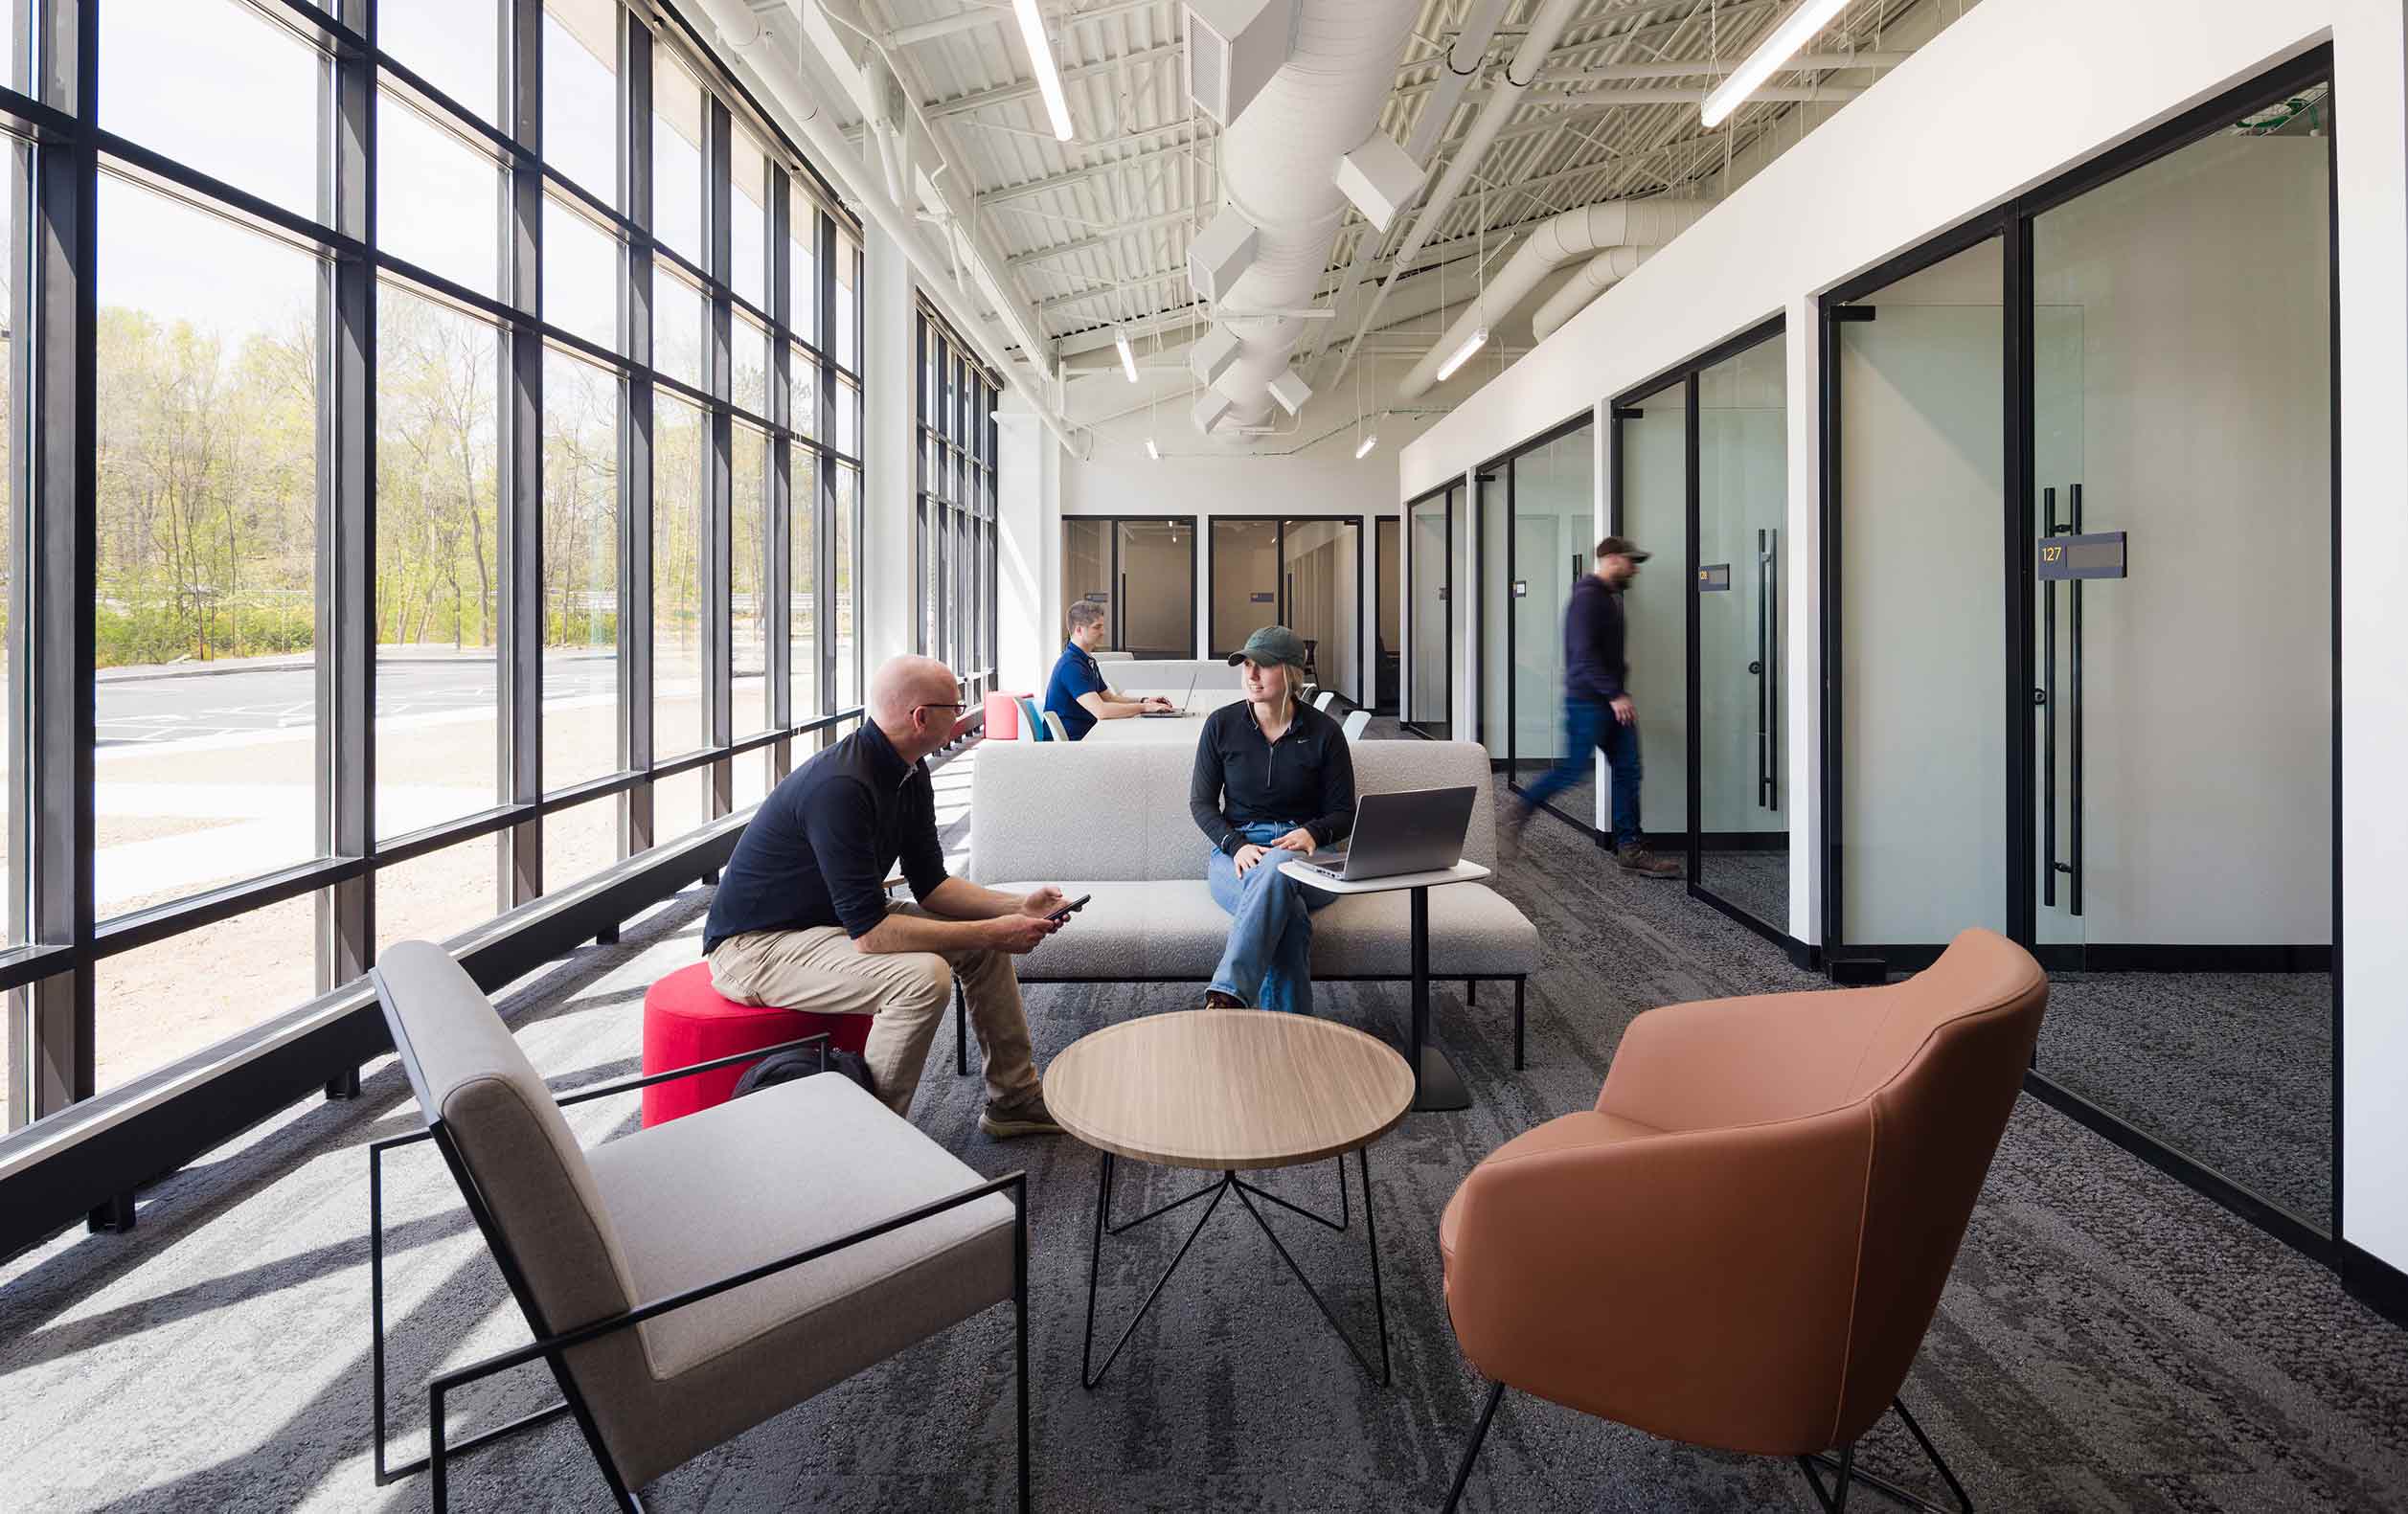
(1077, 692)
(1273, 776)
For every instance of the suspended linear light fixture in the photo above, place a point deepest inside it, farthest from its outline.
(1363, 448)
(1128, 354)
(1049, 79)
(1479, 337)
(1365, 440)
(1793, 34)
(1152, 451)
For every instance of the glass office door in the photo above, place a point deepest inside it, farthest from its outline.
(1429, 706)
(1739, 823)
(1649, 508)
(1554, 493)
(2084, 681)
(2181, 519)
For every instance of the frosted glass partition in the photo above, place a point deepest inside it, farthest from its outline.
(1922, 828)
(1652, 436)
(1742, 852)
(1142, 572)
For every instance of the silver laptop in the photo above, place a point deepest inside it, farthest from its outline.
(1413, 830)
(1173, 714)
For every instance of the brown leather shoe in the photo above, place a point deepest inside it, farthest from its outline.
(1640, 860)
(1215, 998)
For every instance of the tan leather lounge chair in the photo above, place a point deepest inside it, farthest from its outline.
(1742, 1244)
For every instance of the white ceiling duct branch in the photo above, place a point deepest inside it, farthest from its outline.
(1279, 164)
(1597, 274)
(1459, 67)
(1556, 242)
(778, 77)
(1545, 27)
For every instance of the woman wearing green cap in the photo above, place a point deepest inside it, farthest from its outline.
(1272, 776)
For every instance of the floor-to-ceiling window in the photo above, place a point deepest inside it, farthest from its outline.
(1142, 570)
(1305, 572)
(953, 541)
(466, 478)
(1429, 612)
(2082, 523)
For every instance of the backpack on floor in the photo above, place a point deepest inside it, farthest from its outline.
(804, 1062)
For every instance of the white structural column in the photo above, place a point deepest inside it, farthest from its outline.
(889, 374)
(1028, 547)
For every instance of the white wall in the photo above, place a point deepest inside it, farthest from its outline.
(1953, 132)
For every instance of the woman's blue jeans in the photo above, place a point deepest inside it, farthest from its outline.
(1268, 961)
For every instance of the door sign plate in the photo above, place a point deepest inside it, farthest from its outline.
(1098, 597)
(1714, 576)
(2093, 554)
(1521, 588)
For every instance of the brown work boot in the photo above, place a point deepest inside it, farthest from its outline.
(1640, 860)
(1215, 998)
(1028, 1118)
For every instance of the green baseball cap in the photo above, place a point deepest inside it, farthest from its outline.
(1270, 645)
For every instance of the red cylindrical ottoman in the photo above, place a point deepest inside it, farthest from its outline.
(685, 1021)
(1003, 716)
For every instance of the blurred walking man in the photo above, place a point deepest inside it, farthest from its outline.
(1598, 711)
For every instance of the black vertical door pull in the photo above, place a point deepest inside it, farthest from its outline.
(1772, 668)
(2074, 623)
(1764, 672)
(2047, 713)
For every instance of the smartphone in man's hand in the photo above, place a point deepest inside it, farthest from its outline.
(1071, 909)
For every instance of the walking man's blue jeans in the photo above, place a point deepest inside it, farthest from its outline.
(1269, 960)
(1589, 726)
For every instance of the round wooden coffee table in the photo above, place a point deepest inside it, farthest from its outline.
(1229, 1090)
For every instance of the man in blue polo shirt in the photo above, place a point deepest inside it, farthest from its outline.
(1077, 691)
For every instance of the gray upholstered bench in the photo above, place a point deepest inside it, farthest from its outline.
(1112, 821)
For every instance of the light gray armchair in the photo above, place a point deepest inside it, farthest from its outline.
(688, 1282)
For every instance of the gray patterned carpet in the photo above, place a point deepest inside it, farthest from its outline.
(2108, 1342)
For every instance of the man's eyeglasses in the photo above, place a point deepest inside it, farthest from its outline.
(933, 706)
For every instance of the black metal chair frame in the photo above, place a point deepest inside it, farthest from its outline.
(1833, 1498)
(550, 1347)
(1472, 998)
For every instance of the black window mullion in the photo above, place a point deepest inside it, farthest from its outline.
(718, 638)
(347, 516)
(521, 473)
(635, 437)
(63, 559)
(778, 575)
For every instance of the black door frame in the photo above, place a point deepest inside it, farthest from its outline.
(1379, 612)
(1445, 492)
(1504, 464)
(1625, 406)
(1212, 588)
(2013, 223)
(1113, 573)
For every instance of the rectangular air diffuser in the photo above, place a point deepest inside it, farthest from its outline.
(1211, 354)
(1209, 410)
(1290, 391)
(1379, 179)
(1220, 256)
(1234, 49)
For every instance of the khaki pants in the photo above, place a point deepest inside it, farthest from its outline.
(819, 972)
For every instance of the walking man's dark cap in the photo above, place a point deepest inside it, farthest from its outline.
(1623, 547)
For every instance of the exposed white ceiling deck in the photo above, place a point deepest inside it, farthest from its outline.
(1094, 233)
